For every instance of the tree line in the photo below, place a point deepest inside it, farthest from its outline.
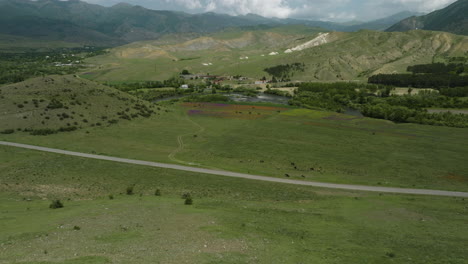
(438, 68)
(376, 101)
(437, 81)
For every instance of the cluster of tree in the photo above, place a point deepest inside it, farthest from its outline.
(404, 114)
(420, 80)
(375, 101)
(458, 59)
(284, 72)
(426, 99)
(438, 68)
(17, 67)
(246, 91)
(277, 92)
(454, 92)
(330, 96)
(132, 86)
(153, 95)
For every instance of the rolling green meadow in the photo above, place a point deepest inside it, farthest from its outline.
(281, 142)
(231, 220)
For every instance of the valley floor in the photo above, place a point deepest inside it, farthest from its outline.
(281, 142)
(231, 220)
(234, 220)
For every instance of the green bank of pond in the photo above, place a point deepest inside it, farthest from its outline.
(260, 98)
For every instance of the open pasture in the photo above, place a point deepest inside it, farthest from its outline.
(230, 221)
(288, 143)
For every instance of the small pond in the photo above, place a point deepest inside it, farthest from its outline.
(260, 98)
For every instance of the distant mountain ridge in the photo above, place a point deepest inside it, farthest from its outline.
(453, 19)
(80, 22)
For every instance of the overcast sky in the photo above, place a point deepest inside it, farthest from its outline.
(333, 10)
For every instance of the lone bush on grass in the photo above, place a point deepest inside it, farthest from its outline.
(189, 201)
(129, 190)
(56, 204)
(188, 198)
(157, 192)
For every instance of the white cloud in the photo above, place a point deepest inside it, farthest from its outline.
(334, 10)
(190, 4)
(267, 8)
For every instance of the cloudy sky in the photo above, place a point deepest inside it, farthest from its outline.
(332, 10)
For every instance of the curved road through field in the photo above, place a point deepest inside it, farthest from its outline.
(181, 146)
(242, 175)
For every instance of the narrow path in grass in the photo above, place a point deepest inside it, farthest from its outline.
(180, 141)
(242, 175)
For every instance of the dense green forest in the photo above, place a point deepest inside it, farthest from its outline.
(420, 80)
(17, 67)
(438, 68)
(435, 75)
(375, 101)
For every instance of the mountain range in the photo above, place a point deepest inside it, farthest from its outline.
(80, 22)
(453, 18)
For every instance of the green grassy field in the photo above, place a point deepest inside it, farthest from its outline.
(282, 142)
(231, 220)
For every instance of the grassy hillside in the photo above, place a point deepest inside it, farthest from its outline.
(231, 220)
(65, 102)
(452, 19)
(345, 56)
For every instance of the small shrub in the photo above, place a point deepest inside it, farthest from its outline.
(129, 190)
(55, 104)
(76, 228)
(390, 254)
(188, 201)
(56, 204)
(111, 197)
(157, 192)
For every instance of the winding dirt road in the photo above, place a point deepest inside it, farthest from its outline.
(241, 175)
(180, 141)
